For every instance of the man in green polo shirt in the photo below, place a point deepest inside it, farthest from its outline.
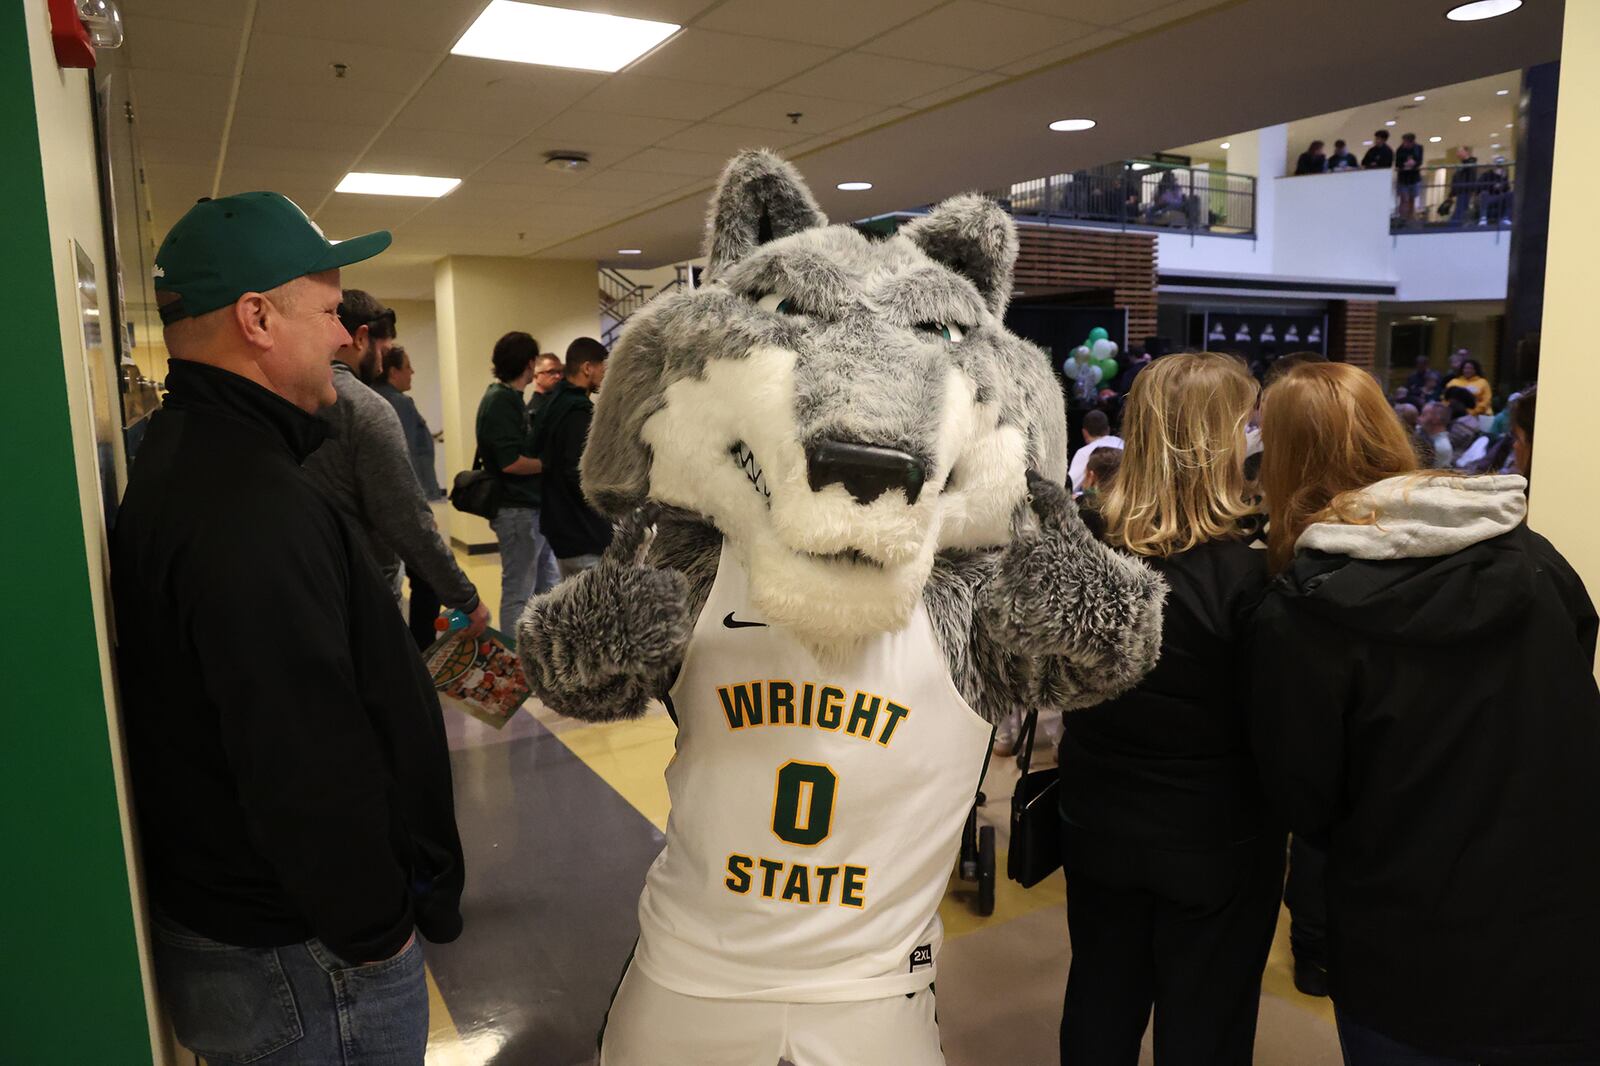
(527, 566)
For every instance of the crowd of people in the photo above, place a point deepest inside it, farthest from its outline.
(1456, 421)
(1474, 195)
(1434, 885)
(294, 789)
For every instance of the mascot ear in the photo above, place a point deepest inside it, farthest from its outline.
(973, 236)
(759, 199)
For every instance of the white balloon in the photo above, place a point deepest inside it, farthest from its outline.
(1096, 373)
(1105, 349)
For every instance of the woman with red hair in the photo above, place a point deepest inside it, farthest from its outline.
(1425, 705)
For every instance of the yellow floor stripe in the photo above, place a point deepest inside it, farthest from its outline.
(444, 1039)
(631, 757)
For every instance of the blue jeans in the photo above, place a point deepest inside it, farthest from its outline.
(298, 1005)
(527, 565)
(1368, 1047)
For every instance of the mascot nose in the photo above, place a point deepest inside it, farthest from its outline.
(865, 470)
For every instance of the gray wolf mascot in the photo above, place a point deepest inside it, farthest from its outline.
(843, 553)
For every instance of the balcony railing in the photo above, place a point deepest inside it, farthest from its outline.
(1457, 197)
(1138, 194)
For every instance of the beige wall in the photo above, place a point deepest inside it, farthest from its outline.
(419, 334)
(67, 156)
(1562, 502)
(478, 299)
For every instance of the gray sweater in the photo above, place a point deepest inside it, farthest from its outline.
(365, 469)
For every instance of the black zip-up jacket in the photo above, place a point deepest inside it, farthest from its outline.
(559, 434)
(1436, 720)
(1167, 764)
(287, 751)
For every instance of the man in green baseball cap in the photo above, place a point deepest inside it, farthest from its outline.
(287, 751)
(253, 271)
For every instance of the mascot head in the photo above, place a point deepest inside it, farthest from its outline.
(840, 407)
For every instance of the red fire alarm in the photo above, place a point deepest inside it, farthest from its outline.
(70, 35)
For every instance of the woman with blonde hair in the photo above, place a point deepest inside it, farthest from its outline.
(1424, 701)
(1173, 874)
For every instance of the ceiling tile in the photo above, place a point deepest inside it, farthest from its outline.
(1099, 12)
(874, 78)
(480, 96)
(839, 23)
(298, 160)
(177, 89)
(447, 153)
(834, 136)
(726, 140)
(976, 36)
(304, 189)
(534, 148)
(638, 182)
(158, 44)
(1081, 46)
(348, 215)
(292, 134)
(583, 129)
(1170, 13)
(173, 124)
(506, 195)
(423, 25)
(675, 11)
(673, 161)
(336, 102)
(770, 110)
(635, 94)
(194, 152)
(279, 58)
(174, 187)
(976, 83)
(211, 12)
(729, 59)
(528, 174)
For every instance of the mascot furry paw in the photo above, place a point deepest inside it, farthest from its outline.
(842, 554)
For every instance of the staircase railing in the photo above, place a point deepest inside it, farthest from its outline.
(621, 297)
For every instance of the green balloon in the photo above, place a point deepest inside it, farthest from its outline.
(1097, 334)
(1107, 367)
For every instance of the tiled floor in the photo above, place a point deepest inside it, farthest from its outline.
(560, 820)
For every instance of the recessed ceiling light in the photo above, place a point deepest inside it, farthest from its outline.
(1508, 125)
(1503, 92)
(1419, 98)
(1464, 118)
(1389, 123)
(1494, 146)
(1226, 145)
(1366, 143)
(629, 251)
(1072, 125)
(1138, 166)
(396, 184)
(556, 37)
(1482, 9)
(1435, 140)
(853, 186)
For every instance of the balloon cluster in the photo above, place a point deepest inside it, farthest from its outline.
(1094, 361)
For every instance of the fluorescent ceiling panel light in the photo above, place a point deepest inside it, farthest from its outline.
(1464, 118)
(629, 251)
(556, 37)
(853, 186)
(1072, 125)
(1508, 125)
(1494, 146)
(1226, 145)
(1366, 142)
(1503, 92)
(396, 184)
(1389, 123)
(1138, 166)
(1435, 140)
(1419, 98)
(1482, 9)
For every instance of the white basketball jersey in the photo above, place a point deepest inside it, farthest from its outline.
(816, 811)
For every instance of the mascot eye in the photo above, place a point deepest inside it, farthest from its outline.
(948, 330)
(774, 302)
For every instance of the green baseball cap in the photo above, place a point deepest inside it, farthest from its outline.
(250, 242)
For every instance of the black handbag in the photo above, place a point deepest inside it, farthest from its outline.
(476, 491)
(1035, 816)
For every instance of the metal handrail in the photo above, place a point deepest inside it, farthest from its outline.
(1141, 194)
(1453, 197)
(630, 297)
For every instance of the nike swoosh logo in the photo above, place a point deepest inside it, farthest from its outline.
(733, 623)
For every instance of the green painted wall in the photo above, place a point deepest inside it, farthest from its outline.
(70, 990)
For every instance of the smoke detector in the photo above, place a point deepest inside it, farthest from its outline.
(566, 162)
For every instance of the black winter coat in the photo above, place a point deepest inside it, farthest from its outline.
(1437, 721)
(287, 752)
